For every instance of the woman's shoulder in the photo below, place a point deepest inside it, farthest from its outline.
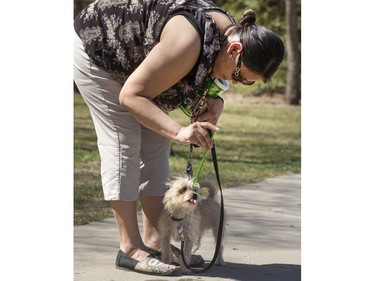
(222, 19)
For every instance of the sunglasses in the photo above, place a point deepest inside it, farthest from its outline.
(236, 75)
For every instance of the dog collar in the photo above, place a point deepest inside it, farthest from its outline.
(175, 219)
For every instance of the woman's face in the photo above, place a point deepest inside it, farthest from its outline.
(226, 69)
(226, 63)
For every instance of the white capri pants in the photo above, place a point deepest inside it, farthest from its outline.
(134, 159)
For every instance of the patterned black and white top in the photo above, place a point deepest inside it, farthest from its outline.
(118, 34)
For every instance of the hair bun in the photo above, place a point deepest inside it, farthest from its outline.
(248, 18)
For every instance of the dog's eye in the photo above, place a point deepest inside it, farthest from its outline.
(183, 190)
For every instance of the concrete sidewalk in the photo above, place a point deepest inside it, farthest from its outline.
(263, 239)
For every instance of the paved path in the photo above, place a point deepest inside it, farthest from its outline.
(263, 239)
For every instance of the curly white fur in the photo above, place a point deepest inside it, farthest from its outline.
(183, 206)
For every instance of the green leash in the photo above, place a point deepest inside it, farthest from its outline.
(195, 180)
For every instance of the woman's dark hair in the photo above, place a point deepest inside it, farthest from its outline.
(263, 50)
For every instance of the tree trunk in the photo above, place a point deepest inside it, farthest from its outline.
(293, 93)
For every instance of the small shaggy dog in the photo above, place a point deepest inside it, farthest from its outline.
(183, 209)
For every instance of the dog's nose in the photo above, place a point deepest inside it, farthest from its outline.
(195, 196)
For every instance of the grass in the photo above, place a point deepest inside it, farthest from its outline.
(88, 197)
(258, 138)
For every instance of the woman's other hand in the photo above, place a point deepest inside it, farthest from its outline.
(197, 133)
(214, 109)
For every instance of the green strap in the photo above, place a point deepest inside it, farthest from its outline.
(202, 162)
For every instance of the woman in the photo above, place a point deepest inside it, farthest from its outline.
(135, 60)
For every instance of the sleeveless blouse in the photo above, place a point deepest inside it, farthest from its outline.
(117, 35)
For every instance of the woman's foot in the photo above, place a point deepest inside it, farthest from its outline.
(148, 265)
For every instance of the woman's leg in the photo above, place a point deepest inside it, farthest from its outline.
(133, 253)
(125, 213)
(119, 141)
(151, 210)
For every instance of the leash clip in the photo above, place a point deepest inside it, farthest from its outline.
(180, 230)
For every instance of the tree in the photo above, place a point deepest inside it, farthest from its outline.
(293, 90)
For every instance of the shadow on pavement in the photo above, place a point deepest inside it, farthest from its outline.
(247, 272)
(250, 272)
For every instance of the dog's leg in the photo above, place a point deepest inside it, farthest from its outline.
(166, 249)
(197, 244)
(187, 254)
(220, 259)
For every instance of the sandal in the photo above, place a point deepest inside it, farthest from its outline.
(149, 265)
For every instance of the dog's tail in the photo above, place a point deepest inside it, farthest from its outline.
(208, 185)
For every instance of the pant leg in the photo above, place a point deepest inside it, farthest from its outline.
(118, 132)
(155, 152)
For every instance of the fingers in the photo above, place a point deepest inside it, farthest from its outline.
(197, 133)
(208, 126)
(201, 136)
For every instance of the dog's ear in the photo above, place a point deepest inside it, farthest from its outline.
(171, 180)
(169, 183)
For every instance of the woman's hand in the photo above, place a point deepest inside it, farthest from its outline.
(197, 133)
(213, 112)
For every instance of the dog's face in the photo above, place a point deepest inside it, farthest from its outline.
(181, 196)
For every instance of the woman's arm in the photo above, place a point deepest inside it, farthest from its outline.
(168, 62)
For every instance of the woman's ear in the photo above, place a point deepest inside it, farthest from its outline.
(234, 47)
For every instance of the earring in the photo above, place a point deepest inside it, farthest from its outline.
(226, 58)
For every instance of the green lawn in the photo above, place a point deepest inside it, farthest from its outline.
(257, 139)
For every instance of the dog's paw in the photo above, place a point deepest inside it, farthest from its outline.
(220, 262)
(186, 271)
